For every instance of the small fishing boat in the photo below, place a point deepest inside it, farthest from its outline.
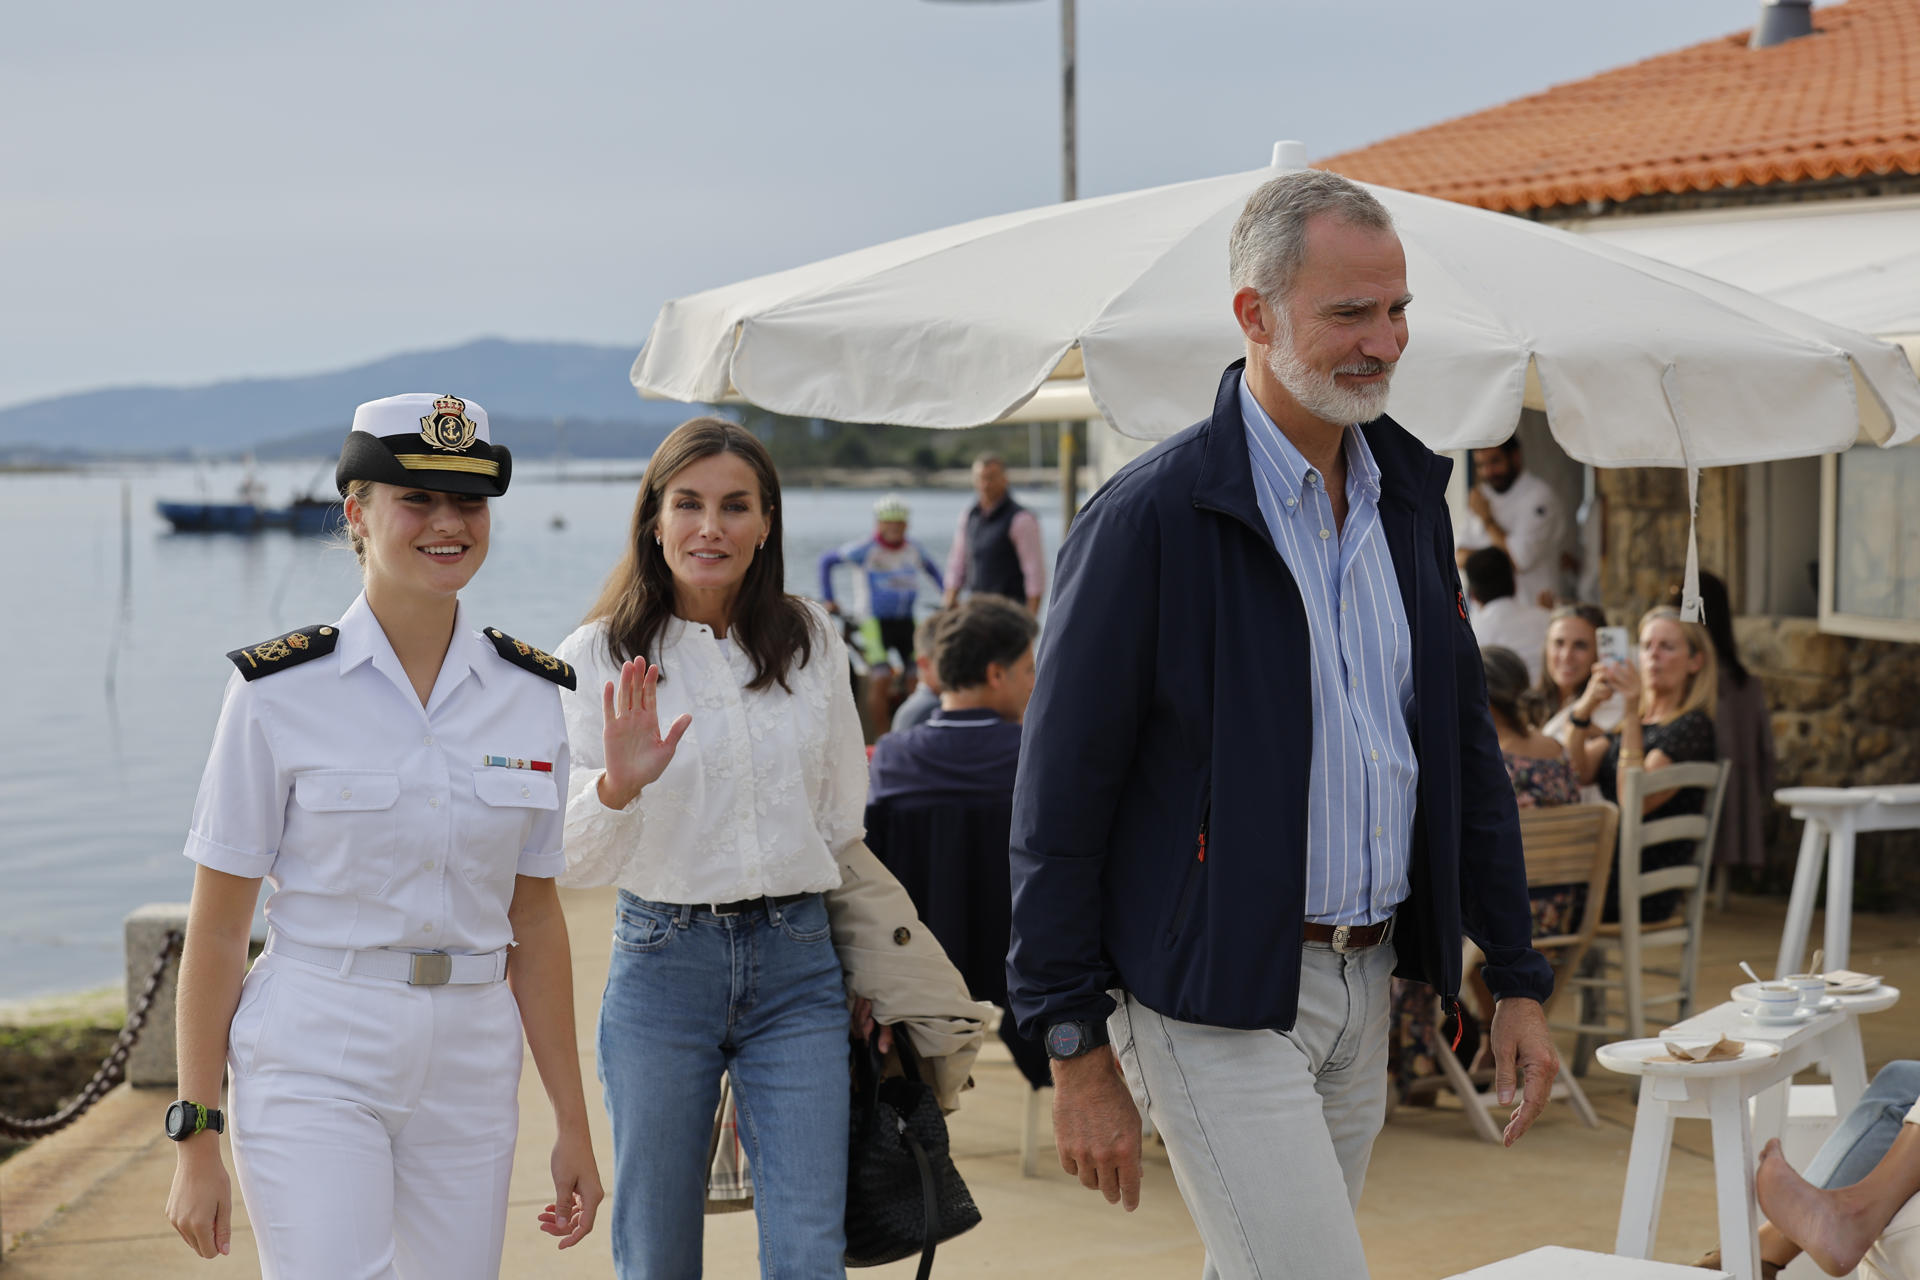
(249, 514)
(306, 515)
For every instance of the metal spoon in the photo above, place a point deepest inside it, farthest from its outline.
(1748, 970)
(1819, 954)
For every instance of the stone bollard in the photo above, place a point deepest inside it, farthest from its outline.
(151, 1064)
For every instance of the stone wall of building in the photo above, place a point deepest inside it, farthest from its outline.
(1646, 534)
(1846, 712)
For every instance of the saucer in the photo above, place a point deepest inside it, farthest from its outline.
(1797, 1015)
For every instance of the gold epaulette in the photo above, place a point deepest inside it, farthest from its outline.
(525, 656)
(289, 650)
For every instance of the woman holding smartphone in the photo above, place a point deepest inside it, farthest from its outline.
(1673, 687)
(396, 776)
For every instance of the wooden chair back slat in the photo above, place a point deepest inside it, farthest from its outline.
(1570, 845)
(1627, 937)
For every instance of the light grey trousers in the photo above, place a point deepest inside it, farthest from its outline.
(1270, 1132)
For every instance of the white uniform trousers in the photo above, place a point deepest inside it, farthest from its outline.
(373, 1123)
(1269, 1132)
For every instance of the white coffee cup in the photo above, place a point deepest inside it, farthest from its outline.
(1774, 1001)
(1812, 988)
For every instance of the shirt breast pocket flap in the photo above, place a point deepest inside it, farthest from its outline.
(341, 792)
(516, 788)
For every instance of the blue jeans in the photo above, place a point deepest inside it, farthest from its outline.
(1867, 1132)
(760, 995)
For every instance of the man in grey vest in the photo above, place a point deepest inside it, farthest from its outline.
(996, 548)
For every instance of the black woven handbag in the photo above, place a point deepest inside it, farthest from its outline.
(903, 1194)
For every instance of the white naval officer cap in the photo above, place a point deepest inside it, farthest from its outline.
(424, 441)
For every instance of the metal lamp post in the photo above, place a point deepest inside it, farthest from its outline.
(1069, 190)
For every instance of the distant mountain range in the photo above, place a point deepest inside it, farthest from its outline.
(526, 388)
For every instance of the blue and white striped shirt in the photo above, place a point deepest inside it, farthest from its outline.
(1361, 790)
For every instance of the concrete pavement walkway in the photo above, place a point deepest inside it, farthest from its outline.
(88, 1203)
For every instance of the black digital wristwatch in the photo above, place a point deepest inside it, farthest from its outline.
(184, 1119)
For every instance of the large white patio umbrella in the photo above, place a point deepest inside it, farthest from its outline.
(1120, 304)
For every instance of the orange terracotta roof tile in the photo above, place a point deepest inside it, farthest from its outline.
(1842, 102)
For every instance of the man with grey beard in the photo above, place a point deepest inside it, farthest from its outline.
(1259, 778)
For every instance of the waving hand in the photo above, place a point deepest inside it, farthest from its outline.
(636, 752)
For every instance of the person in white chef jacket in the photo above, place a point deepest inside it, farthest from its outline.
(1515, 510)
(396, 777)
(717, 787)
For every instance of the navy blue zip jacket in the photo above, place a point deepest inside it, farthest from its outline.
(1172, 686)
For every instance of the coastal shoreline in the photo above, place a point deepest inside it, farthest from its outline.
(883, 478)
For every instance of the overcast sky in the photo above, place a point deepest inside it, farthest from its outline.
(197, 191)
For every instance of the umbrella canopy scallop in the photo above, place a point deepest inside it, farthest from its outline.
(1636, 362)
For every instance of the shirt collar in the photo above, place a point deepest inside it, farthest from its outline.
(363, 639)
(1276, 454)
(965, 715)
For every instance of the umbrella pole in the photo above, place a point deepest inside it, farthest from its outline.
(1069, 191)
(1069, 475)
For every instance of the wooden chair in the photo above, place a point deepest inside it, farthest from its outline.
(1618, 959)
(1568, 845)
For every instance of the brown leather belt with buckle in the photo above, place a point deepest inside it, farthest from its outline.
(1348, 937)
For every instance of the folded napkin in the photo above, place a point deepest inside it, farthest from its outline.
(1721, 1050)
(1846, 982)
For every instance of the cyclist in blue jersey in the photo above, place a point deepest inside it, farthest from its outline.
(887, 569)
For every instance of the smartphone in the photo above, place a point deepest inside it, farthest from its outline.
(1614, 645)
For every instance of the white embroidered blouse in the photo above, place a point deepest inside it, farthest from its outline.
(764, 790)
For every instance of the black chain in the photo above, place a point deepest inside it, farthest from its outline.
(111, 1071)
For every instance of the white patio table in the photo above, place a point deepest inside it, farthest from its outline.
(1834, 815)
(1718, 1092)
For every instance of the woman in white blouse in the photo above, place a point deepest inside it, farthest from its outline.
(722, 834)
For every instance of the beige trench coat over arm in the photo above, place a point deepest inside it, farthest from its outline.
(892, 959)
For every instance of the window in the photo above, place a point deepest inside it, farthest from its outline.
(1870, 543)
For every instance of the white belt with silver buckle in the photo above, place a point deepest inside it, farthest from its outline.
(415, 968)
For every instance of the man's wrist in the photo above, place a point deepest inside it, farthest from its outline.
(1068, 1072)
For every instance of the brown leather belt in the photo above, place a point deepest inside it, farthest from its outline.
(1348, 937)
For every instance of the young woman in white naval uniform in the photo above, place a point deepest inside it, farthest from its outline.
(717, 789)
(396, 776)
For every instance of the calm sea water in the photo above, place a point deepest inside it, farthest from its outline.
(112, 661)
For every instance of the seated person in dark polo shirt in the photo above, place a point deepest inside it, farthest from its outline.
(983, 655)
(940, 799)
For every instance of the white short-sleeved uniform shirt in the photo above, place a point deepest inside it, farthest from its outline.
(374, 819)
(763, 792)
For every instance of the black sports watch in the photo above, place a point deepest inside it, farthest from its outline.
(184, 1119)
(1071, 1039)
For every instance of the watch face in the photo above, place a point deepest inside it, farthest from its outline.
(1064, 1039)
(179, 1120)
